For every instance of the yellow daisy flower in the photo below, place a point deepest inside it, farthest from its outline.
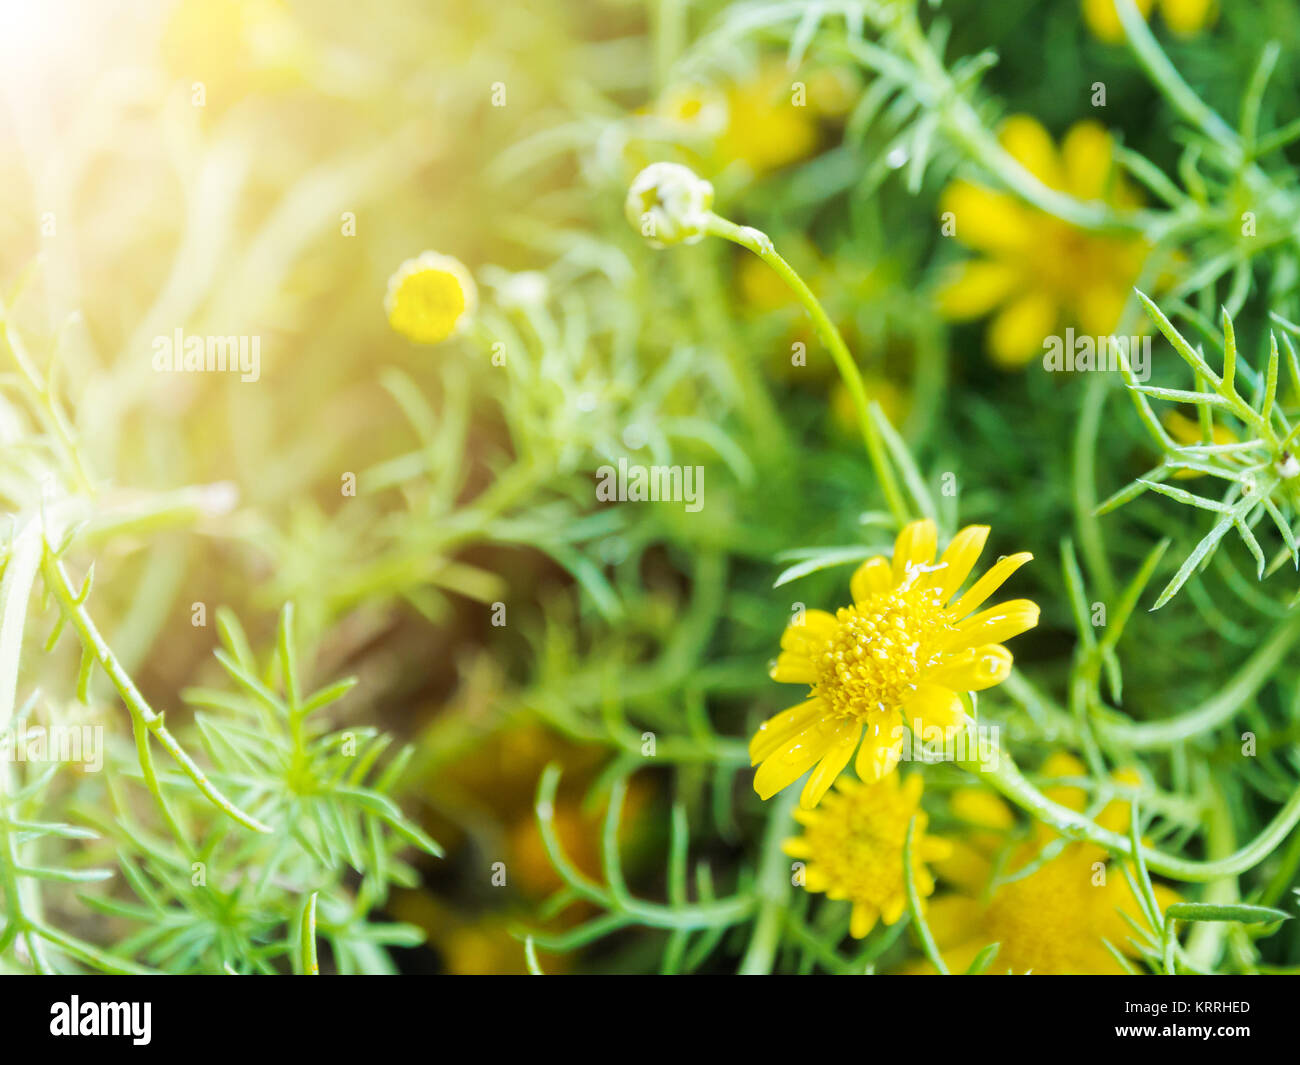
(430, 297)
(898, 656)
(1038, 272)
(1050, 922)
(853, 847)
(1184, 17)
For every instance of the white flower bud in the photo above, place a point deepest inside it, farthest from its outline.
(669, 204)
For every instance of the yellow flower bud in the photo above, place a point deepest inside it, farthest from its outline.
(430, 297)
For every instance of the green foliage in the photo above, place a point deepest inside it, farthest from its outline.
(249, 813)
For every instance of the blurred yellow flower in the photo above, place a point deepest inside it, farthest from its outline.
(896, 658)
(767, 128)
(1184, 17)
(1036, 270)
(853, 847)
(766, 121)
(430, 297)
(1051, 921)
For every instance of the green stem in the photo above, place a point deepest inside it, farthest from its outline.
(964, 126)
(1003, 775)
(1161, 71)
(914, 904)
(759, 243)
(56, 580)
(773, 888)
(1216, 710)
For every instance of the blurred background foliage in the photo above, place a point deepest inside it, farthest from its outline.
(259, 168)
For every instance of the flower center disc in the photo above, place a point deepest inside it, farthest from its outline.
(880, 650)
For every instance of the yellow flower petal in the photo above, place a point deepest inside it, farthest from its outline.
(1064, 764)
(959, 559)
(808, 637)
(1088, 153)
(787, 764)
(776, 731)
(995, 625)
(1104, 22)
(830, 767)
(870, 578)
(994, 579)
(893, 909)
(1026, 139)
(914, 548)
(880, 751)
(1099, 306)
(980, 807)
(986, 220)
(932, 708)
(863, 920)
(1016, 335)
(793, 668)
(1117, 812)
(1187, 17)
(953, 919)
(973, 288)
(934, 849)
(966, 867)
(976, 669)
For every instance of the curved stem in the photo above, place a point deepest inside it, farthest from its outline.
(963, 124)
(1165, 77)
(758, 242)
(56, 580)
(773, 889)
(997, 768)
(1219, 708)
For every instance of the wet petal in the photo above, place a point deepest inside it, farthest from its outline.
(994, 579)
(787, 764)
(830, 767)
(777, 730)
(959, 559)
(995, 625)
(914, 547)
(975, 669)
(880, 751)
